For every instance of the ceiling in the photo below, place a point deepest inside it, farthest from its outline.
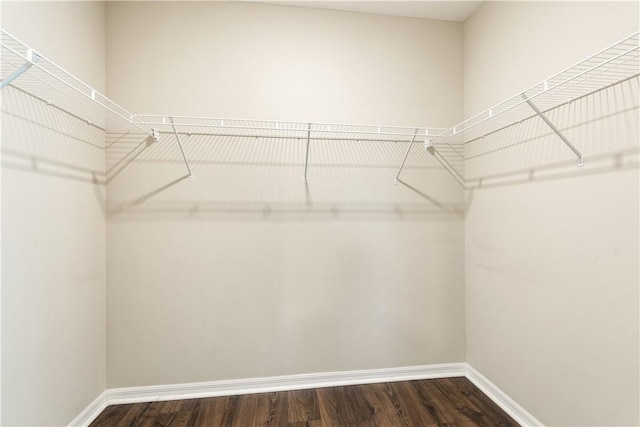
(443, 10)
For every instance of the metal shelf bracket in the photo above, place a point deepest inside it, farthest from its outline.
(555, 129)
(405, 157)
(32, 58)
(306, 158)
(184, 157)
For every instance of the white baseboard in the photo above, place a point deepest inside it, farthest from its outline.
(517, 412)
(287, 382)
(117, 396)
(91, 412)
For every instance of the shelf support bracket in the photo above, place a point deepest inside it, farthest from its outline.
(405, 157)
(32, 58)
(555, 129)
(184, 157)
(306, 157)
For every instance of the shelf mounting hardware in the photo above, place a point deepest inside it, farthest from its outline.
(154, 137)
(428, 145)
(555, 129)
(184, 157)
(32, 58)
(306, 157)
(405, 156)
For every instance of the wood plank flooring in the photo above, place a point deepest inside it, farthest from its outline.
(441, 402)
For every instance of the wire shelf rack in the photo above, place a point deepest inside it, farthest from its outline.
(284, 129)
(27, 70)
(301, 132)
(615, 64)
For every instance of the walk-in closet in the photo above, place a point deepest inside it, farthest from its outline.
(304, 213)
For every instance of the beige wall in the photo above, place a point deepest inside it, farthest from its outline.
(53, 228)
(246, 272)
(216, 279)
(552, 253)
(283, 63)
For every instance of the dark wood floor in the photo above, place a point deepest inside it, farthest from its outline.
(442, 402)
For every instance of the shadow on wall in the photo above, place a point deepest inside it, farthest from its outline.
(48, 141)
(262, 178)
(603, 125)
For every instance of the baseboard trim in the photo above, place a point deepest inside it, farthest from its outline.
(280, 383)
(116, 396)
(91, 412)
(517, 412)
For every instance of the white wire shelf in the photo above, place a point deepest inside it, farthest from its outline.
(222, 127)
(29, 71)
(615, 64)
(302, 132)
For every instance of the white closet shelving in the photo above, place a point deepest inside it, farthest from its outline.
(180, 126)
(27, 70)
(283, 129)
(613, 65)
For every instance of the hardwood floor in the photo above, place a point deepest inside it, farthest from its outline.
(441, 402)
